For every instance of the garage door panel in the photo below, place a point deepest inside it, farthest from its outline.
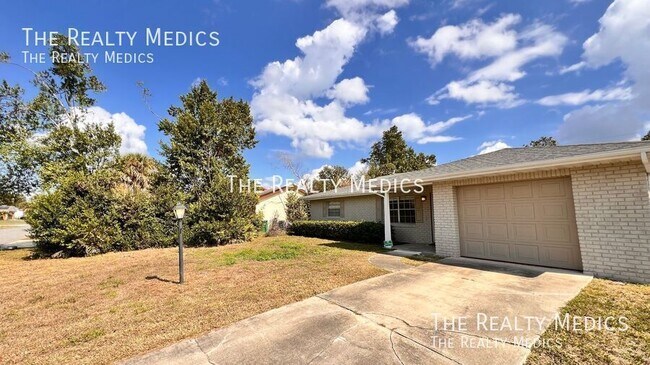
(563, 257)
(554, 210)
(522, 190)
(560, 233)
(551, 189)
(522, 211)
(472, 193)
(494, 192)
(531, 222)
(473, 230)
(526, 253)
(499, 250)
(472, 211)
(526, 232)
(497, 231)
(496, 211)
(474, 248)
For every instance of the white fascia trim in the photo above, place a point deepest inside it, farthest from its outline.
(602, 157)
(337, 196)
(646, 163)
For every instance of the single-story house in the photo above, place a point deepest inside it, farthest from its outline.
(272, 204)
(10, 212)
(579, 207)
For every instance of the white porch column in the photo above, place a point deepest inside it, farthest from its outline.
(388, 241)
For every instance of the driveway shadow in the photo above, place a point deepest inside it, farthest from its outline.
(498, 267)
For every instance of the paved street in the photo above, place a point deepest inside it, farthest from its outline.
(12, 234)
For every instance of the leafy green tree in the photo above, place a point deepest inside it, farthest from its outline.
(18, 123)
(91, 200)
(296, 208)
(542, 142)
(392, 155)
(646, 137)
(329, 176)
(207, 138)
(49, 137)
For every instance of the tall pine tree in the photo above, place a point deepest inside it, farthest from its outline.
(392, 155)
(207, 140)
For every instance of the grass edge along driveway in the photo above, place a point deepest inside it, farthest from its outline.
(602, 298)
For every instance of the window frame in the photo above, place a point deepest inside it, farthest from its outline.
(397, 210)
(340, 209)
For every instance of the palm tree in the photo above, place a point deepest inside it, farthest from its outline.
(137, 171)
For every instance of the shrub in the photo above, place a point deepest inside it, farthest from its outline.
(351, 231)
(89, 214)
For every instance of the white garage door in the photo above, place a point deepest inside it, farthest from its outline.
(530, 222)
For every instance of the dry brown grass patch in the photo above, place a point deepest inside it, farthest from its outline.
(100, 309)
(602, 298)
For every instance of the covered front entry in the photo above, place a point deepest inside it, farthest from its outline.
(530, 222)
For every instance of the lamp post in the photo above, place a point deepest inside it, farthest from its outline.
(179, 213)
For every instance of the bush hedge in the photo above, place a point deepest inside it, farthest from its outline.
(351, 231)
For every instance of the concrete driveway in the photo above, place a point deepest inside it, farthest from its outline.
(456, 311)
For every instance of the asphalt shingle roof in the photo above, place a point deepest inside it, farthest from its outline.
(503, 158)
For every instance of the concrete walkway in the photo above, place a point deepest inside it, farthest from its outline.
(397, 318)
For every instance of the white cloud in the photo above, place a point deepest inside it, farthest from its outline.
(542, 41)
(472, 40)
(601, 123)
(359, 168)
(508, 49)
(573, 68)
(354, 9)
(586, 96)
(350, 91)
(491, 146)
(387, 22)
(415, 129)
(482, 92)
(623, 36)
(132, 133)
(287, 95)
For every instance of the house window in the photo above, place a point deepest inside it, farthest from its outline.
(334, 209)
(402, 210)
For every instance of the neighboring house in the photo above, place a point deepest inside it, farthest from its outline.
(272, 204)
(10, 212)
(581, 207)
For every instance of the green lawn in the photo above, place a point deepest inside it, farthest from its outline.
(602, 298)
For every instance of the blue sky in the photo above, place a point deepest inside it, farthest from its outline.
(324, 78)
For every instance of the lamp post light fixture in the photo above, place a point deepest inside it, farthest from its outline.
(179, 213)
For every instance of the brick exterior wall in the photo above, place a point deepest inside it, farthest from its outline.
(612, 207)
(613, 217)
(445, 218)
